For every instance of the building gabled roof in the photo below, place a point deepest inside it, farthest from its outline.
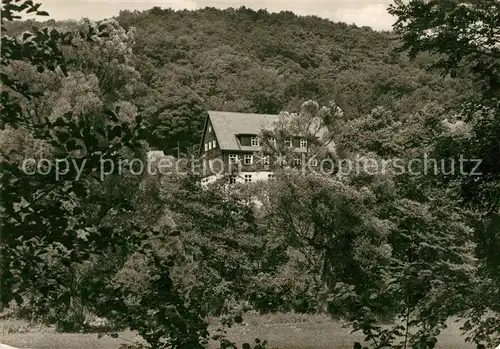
(227, 125)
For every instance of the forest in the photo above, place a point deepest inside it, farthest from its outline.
(394, 255)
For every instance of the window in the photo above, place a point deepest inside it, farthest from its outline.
(209, 128)
(265, 160)
(303, 143)
(313, 162)
(248, 159)
(272, 141)
(206, 147)
(214, 144)
(288, 143)
(232, 180)
(248, 178)
(296, 162)
(209, 145)
(233, 158)
(254, 141)
(271, 176)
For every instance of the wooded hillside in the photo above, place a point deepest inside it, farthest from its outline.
(255, 61)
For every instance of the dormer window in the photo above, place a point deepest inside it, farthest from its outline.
(303, 143)
(254, 141)
(288, 143)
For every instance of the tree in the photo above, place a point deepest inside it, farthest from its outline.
(66, 129)
(110, 57)
(251, 61)
(62, 222)
(465, 35)
(378, 255)
(222, 233)
(318, 126)
(377, 246)
(174, 116)
(158, 291)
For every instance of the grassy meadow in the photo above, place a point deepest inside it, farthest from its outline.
(282, 331)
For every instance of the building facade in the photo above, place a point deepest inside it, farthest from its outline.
(231, 147)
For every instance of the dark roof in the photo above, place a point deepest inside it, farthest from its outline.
(227, 125)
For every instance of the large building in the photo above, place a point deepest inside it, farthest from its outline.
(231, 146)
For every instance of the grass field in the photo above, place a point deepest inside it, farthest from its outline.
(286, 331)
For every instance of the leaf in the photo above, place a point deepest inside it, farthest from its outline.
(112, 115)
(33, 8)
(60, 121)
(116, 132)
(79, 189)
(19, 300)
(71, 145)
(62, 136)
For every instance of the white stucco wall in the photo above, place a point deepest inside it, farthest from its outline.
(240, 177)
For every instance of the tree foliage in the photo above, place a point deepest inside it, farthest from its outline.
(159, 253)
(378, 247)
